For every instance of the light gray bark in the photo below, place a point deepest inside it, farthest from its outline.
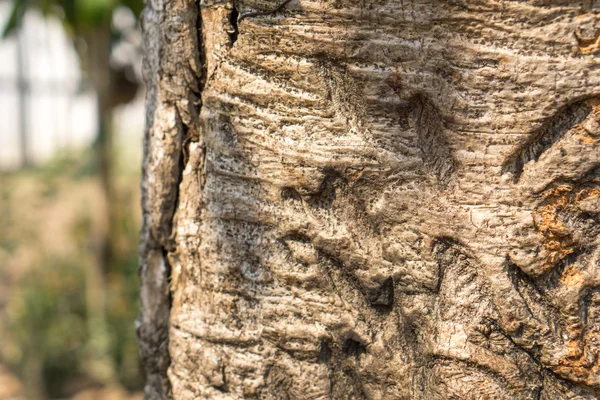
(371, 199)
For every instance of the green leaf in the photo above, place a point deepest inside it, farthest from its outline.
(16, 17)
(94, 12)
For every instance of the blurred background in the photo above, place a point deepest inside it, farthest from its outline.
(71, 123)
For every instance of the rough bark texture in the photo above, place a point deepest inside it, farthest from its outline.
(372, 199)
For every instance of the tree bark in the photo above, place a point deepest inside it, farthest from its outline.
(383, 199)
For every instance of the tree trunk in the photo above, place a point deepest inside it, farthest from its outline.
(371, 199)
(100, 365)
(23, 94)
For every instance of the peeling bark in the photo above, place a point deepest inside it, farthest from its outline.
(387, 199)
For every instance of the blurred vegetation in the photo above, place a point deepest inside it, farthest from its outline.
(68, 249)
(77, 15)
(95, 34)
(52, 220)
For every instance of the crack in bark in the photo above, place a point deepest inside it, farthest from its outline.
(166, 154)
(432, 140)
(233, 21)
(280, 7)
(546, 136)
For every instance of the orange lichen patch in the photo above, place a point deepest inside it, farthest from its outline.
(575, 352)
(595, 104)
(353, 174)
(573, 370)
(579, 365)
(587, 193)
(575, 345)
(588, 131)
(587, 45)
(581, 361)
(556, 238)
(584, 135)
(572, 277)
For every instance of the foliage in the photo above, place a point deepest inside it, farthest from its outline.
(77, 15)
(46, 320)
